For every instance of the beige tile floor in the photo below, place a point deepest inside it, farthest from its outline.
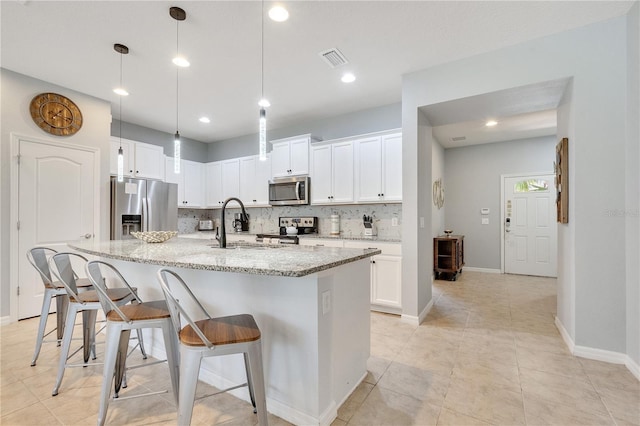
(488, 353)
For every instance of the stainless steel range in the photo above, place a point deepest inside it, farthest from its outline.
(295, 226)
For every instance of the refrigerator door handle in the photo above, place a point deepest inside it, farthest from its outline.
(145, 214)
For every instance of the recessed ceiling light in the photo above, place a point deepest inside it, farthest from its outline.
(348, 78)
(120, 91)
(181, 62)
(204, 120)
(264, 103)
(278, 13)
(491, 123)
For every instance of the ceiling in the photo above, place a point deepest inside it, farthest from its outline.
(71, 44)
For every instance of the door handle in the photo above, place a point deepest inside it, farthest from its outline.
(87, 236)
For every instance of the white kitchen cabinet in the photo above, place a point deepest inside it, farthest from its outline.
(386, 275)
(190, 180)
(254, 181)
(290, 156)
(230, 179)
(332, 173)
(378, 168)
(213, 184)
(141, 160)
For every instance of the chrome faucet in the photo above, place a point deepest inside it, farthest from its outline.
(222, 235)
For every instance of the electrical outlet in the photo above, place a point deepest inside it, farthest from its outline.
(485, 220)
(394, 221)
(326, 302)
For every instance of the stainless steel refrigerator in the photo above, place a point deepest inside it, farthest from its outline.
(142, 205)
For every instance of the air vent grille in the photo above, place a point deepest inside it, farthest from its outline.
(333, 57)
(458, 139)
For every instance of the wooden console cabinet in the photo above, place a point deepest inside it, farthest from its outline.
(448, 256)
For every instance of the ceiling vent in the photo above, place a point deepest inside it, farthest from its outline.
(458, 139)
(333, 57)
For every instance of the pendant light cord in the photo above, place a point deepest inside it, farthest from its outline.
(177, 72)
(262, 53)
(120, 109)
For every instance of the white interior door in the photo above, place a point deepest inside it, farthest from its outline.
(56, 196)
(530, 229)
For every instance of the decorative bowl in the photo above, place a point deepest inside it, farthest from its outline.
(154, 236)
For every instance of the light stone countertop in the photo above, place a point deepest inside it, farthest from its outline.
(210, 235)
(280, 260)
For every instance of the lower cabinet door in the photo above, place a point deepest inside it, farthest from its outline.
(386, 281)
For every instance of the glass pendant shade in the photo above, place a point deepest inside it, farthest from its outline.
(176, 153)
(120, 165)
(263, 134)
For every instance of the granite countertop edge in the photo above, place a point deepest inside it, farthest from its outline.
(314, 236)
(286, 271)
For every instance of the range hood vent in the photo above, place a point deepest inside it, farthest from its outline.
(333, 57)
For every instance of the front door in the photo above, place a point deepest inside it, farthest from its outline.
(56, 203)
(530, 229)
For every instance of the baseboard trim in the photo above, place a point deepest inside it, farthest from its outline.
(485, 270)
(598, 354)
(417, 320)
(5, 320)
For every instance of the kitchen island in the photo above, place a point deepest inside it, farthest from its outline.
(311, 304)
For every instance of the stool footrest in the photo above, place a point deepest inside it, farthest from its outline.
(222, 391)
(147, 364)
(124, 398)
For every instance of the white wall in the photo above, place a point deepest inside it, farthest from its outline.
(17, 92)
(438, 172)
(473, 179)
(595, 56)
(632, 217)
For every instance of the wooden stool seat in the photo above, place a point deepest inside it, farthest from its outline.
(80, 283)
(222, 331)
(115, 294)
(156, 309)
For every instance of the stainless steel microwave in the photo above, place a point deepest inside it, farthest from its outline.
(289, 191)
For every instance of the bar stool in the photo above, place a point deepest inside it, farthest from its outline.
(86, 302)
(213, 337)
(38, 257)
(120, 321)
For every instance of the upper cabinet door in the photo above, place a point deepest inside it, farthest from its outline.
(368, 169)
(321, 179)
(213, 184)
(280, 160)
(290, 156)
(247, 183)
(149, 161)
(392, 167)
(230, 179)
(342, 172)
(299, 155)
(263, 175)
(193, 173)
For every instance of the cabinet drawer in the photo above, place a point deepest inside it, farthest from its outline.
(392, 249)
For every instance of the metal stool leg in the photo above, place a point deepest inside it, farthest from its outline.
(141, 343)
(249, 381)
(189, 369)
(89, 333)
(110, 355)
(44, 314)
(121, 360)
(66, 344)
(173, 356)
(257, 379)
(62, 304)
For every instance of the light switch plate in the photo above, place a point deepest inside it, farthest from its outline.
(326, 302)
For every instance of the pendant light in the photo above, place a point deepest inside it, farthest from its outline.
(179, 15)
(122, 50)
(262, 120)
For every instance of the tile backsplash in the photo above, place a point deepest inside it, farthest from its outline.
(265, 219)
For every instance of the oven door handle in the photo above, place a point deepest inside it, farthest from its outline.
(298, 191)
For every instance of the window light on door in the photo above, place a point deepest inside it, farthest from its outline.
(531, 185)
